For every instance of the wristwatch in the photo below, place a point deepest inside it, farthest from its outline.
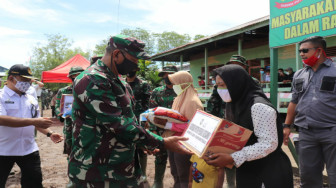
(50, 133)
(284, 125)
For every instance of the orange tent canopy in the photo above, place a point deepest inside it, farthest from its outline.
(60, 73)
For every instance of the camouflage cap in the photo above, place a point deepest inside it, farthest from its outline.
(238, 58)
(289, 68)
(95, 58)
(130, 45)
(168, 69)
(75, 70)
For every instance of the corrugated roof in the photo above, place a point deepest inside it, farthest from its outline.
(254, 24)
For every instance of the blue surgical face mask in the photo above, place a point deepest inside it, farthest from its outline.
(262, 72)
(213, 82)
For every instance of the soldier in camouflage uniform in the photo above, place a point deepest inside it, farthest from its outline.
(49, 97)
(141, 91)
(162, 96)
(44, 98)
(106, 130)
(67, 129)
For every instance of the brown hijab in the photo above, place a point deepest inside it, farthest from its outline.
(187, 102)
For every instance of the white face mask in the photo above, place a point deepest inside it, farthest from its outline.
(224, 94)
(178, 89)
(22, 86)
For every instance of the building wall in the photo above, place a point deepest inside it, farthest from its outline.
(286, 58)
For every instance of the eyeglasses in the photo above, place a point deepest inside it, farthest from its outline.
(33, 111)
(305, 50)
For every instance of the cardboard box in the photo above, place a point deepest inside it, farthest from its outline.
(209, 134)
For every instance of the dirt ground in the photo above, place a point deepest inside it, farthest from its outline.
(54, 164)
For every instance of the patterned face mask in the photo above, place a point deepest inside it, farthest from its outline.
(22, 86)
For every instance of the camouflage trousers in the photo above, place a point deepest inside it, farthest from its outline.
(162, 156)
(67, 131)
(132, 182)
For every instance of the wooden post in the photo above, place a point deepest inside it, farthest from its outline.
(206, 67)
(274, 76)
(181, 62)
(240, 46)
(162, 64)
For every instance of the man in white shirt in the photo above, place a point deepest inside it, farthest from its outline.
(17, 144)
(35, 89)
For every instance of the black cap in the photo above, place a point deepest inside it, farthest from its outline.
(21, 70)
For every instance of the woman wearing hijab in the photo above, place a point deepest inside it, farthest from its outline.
(186, 103)
(261, 162)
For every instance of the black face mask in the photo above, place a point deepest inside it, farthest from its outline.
(126, 66)
(131, 74)
(73, 79)
(167, 81)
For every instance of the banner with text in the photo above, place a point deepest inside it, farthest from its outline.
(293, 20)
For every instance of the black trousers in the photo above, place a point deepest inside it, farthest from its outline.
(274, 171)
(53, 113)
(30, 165)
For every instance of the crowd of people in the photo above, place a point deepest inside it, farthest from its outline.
(107, 145)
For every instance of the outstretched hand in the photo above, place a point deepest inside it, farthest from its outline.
(151, 152)
(56, 138)
(172, 144)
(42, 122)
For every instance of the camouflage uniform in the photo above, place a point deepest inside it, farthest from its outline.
(142, 92)
(105, 131)
(44, 99)
(49, 97)
(67, 129)
(161, 96)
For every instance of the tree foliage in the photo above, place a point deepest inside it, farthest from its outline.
(100, 48)
(50, 55)
(155, 43)
(170, 40)
(55, 52)
(149, 72)
(196, 37)
(143, 35)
